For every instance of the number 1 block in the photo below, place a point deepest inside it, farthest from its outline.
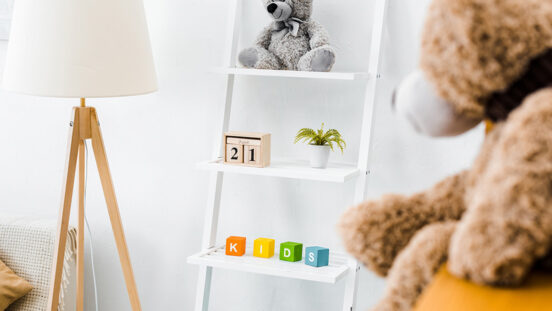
(251, 155)
(291, 251)
(317, 256)
(235, 246)
(263, 247)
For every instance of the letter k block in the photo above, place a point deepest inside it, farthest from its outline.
(235, 246)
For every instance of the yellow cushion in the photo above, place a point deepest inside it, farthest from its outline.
(449, 293)
(12, 287)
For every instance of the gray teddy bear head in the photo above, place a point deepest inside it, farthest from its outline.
(281, 10)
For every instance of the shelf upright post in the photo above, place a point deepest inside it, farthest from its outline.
(216, 178)
(349, 301)
(370, 99)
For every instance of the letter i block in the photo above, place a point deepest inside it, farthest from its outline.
(317, 256)
(291, 251)
(235, 246)
(263, 248)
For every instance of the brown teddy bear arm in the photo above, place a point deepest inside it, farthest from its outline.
(376, 231)
(415, 266)
(508, 225)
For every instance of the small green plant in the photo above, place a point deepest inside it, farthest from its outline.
(321, 138)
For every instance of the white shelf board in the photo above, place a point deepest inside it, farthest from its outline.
(216, 257)
(294, 74)
(288, 169)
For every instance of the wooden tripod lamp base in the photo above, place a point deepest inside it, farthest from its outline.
(85, 126)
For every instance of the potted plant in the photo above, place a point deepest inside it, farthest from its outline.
(320, 143)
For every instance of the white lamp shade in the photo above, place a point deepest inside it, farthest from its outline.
(79, 48)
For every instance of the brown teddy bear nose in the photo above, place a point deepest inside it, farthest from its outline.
(271, 8)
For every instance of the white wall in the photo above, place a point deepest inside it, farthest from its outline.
(153, 142)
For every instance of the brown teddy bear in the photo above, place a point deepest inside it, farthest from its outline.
(481, 60)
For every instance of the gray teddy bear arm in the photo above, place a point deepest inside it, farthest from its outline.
(259, 56)
(321, 57)
(318, 34)
(265, 37)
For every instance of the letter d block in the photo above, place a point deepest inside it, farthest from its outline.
(235, 246)
(291, 251)
(263, 248)
(317, 256)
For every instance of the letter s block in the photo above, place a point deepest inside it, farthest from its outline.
(291, 251)
(235, 246)
(263, 247)
(317, 256)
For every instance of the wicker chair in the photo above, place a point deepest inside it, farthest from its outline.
(27, 247)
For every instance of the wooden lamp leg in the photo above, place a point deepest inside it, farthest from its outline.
(113, 210)
(80, 228)
(65, 211)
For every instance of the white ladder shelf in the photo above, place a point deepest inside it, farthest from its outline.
(341, 266)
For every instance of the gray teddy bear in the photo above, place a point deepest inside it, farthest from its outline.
(293, 41)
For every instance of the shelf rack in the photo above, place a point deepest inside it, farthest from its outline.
(350, 76)
(215, 257)
(294, 169)
(341, 266)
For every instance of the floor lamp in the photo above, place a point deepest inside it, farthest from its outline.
(81, 49)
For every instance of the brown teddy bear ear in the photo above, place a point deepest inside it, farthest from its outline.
(474, 48)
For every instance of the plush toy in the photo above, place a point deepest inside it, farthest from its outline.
(293, 41)
(480, 60)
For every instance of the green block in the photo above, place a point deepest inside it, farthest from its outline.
(291, 251)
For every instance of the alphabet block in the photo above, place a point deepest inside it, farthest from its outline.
(263, 247)
(234, 153)
(291, 251)
(235, 246)
(317, 256)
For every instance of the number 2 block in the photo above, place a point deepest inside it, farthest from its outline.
(234, 153)
(317, 256)
(291, 251)
(263, 247)
(235, 246)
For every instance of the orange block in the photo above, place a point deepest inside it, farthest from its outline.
(235, 246)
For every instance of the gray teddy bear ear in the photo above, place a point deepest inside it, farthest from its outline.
(302, 9)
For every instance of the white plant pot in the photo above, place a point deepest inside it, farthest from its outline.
(319, 156)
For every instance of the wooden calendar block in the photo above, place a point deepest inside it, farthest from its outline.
(252, 155)
(291, 251)
(263, 247)
(234, 153)
(248, 149)
(235, 246)
(317, 256)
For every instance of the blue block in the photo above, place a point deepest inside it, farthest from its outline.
(317, 256)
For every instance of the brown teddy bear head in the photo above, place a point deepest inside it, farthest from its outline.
(479, 59)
